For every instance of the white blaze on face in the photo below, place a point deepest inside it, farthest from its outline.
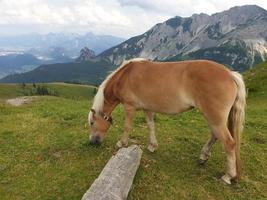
(90, 115)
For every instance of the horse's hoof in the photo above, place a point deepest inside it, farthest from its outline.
(151, 148)
(202, 162)
(203, 158)
(226, 179)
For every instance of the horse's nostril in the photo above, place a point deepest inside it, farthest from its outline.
(95, 140)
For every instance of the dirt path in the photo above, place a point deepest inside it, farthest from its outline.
(20, 101)
(71, 84)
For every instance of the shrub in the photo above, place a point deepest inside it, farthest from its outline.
(38, 90)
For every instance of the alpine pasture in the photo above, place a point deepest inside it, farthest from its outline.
(45, 154)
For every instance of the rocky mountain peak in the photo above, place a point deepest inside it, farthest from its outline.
(247, 9)
(240, 14)
(85, 55)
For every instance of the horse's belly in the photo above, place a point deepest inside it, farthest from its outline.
(167, 105)
(168, 109)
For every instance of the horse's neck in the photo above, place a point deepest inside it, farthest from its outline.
(110, 101)
(111, 93)
(108, 108)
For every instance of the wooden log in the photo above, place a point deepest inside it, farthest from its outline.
(115, 180)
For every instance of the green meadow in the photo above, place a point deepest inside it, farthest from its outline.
(44, 150)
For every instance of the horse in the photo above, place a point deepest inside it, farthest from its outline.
(171, 88)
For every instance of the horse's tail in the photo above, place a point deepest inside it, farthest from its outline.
(236, 118)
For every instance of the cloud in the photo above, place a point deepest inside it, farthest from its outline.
(46, 12)
(170, 7)
(117, 17)
(87, 15)
(189, 7)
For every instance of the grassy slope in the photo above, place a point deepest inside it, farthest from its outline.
(71, 91)
(44, 152)
(256, 80)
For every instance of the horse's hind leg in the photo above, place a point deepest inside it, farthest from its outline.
(153, 144)
(223, 134)
(205, 152)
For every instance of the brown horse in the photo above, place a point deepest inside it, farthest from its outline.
(175, 87)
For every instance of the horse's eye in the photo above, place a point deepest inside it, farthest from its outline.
(91, 123)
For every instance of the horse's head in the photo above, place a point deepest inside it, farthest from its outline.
(99, 124)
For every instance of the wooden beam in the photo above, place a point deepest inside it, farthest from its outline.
(115, 180)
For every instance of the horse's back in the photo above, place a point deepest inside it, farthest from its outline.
(177, 86)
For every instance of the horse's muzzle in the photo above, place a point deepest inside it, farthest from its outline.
(95, 140)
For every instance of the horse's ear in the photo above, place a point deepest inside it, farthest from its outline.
(92, 110)
(110, 120)
(93, 113)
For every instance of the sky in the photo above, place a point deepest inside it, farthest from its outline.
(123, 18)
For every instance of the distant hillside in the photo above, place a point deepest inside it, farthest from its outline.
(85, 72)
(236, 37)
(17, 63)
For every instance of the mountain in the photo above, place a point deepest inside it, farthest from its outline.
(92, 72)
(43, 45)
(17, 63)
(85, 55)
(26, 52)
(236, 37)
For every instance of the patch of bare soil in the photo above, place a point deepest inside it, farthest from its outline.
(20, 101)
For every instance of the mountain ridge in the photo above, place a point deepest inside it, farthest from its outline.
(35, 42)
(178, 36)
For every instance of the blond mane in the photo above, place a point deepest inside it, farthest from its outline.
(99, 97)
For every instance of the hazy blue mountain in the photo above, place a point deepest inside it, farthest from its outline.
(41, 45)
(15, 63)
(22, 62)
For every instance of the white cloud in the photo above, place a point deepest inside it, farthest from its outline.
(189, 7)
(170, 7)
(118, 17)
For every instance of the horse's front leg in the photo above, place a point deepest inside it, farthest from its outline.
(153, 144)
(129, 116)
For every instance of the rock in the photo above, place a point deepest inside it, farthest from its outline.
(115, 180)
(85, 55)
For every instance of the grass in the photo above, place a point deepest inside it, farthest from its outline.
(70, 91)
(44, 151)
(256, 80)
